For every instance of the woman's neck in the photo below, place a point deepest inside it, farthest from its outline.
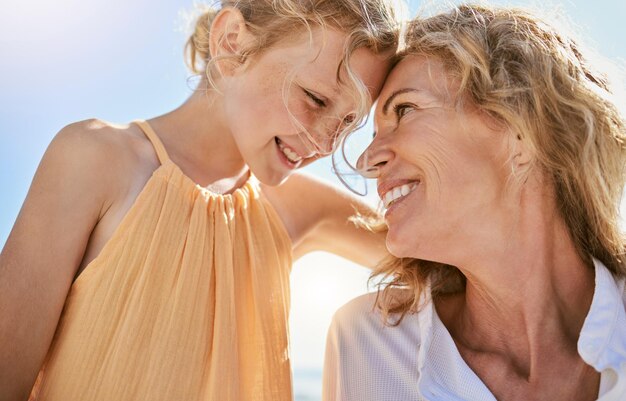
(527, 299)
(198, 139)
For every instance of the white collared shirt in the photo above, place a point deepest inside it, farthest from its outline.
(418, 360)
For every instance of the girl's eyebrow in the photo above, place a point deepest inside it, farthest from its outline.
(323, 84)
(394, 95)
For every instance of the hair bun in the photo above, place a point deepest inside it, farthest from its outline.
(197, 46)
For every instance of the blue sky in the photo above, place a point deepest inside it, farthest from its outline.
(120, 60)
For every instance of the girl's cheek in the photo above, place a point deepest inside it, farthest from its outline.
(301, 112)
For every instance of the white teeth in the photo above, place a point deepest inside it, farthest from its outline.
(288, 152)
(388, 198)
(398, 192)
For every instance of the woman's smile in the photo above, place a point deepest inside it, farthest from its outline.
(392, 191)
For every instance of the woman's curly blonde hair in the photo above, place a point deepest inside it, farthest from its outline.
(539, 83)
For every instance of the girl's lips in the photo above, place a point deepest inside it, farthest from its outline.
(293, 155)
(288, 163)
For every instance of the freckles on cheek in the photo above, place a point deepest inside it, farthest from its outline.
(270, 84)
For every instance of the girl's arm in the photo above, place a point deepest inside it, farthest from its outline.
(317, 216)
(44, 251)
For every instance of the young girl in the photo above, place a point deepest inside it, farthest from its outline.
(151, 261)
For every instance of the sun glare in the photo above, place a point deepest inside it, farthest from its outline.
(320, 284)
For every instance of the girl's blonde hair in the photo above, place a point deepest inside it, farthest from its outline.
(371, 24)
(539, 83)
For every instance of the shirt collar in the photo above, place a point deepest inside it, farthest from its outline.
(444, 375)
(602, 341)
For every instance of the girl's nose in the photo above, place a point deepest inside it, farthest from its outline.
(322, 139)
(322, 145)
(329, 134)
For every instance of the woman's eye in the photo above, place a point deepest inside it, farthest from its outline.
(402, 109)
(319, 102)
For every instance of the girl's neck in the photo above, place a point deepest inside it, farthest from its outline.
(199, 142)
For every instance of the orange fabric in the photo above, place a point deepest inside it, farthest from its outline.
(189, 300)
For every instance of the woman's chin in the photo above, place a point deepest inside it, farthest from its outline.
(408, 243)
(397, 247)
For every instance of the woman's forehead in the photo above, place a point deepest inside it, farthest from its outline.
(417, 72)
(415, 76)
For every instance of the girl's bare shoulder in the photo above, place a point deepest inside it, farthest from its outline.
(109, 151)
(102, 157)
(105, 142)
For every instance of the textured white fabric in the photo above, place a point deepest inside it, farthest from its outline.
(418, 360)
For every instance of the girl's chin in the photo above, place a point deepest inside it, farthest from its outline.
(273, 178)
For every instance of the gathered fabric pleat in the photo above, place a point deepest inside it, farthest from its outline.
(189, 300)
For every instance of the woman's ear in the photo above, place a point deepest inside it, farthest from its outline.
(522, 153)
(228, 38)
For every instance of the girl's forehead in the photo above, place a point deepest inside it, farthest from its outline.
(318, 53)
(314, 43)
(323, 47)
(319, 56)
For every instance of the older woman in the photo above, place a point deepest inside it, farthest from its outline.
(500, 159)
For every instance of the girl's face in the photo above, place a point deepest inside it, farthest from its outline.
(442, 172)
(291, 89)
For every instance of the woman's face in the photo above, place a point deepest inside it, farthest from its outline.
(442, 172)
(292, 90)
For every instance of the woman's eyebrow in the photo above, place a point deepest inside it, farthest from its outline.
(393, 95)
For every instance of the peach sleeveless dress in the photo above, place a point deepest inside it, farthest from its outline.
(189, 300)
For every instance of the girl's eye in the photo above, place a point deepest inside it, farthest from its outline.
(319, 102)
(402, 109)
(349, 119)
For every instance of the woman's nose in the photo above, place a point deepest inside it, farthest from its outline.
(373, 160)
